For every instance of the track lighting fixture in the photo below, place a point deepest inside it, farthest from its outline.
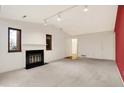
(85, 8)
(58, 17)
(45, 21)
(58, 14)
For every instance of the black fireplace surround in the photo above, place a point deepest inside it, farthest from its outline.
(34, 58)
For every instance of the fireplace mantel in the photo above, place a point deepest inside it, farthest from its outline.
(34, 44)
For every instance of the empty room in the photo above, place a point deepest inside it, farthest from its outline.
(61, 45)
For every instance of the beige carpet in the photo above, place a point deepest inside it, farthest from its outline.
(72, 73)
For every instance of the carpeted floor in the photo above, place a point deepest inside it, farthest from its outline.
(66, 73)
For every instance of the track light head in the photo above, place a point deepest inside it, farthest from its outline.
(85, 8)
(58, 18)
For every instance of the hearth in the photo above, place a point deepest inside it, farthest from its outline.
(34, 58)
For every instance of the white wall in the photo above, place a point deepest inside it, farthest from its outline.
(59, 48)
(97, 45)
(32, 36)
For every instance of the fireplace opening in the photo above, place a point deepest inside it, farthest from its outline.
(34, 58)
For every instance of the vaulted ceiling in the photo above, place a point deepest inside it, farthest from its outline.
(74, 21)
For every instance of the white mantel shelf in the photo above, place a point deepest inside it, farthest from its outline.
(34, 44)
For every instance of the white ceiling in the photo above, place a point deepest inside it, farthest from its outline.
(74, 21)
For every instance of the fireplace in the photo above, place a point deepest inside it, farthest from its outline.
(34, 58)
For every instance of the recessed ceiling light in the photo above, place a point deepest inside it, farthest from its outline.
(24, 16)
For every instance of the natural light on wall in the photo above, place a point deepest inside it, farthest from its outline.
(74, 48)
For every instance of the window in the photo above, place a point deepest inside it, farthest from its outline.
(48, 42)
(14, 40)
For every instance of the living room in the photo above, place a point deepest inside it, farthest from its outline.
(60, 45)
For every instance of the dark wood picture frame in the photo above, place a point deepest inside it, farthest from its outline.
(19, 40)
(48, 42)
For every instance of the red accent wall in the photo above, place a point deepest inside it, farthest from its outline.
(119, 34)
